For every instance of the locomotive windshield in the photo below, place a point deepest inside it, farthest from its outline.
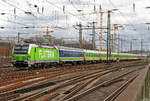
(21, 49)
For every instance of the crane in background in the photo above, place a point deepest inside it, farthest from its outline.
(47, 32)
(38, 32)
(116, 26)
(101, 25)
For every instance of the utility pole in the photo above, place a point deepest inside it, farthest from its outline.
(81, 28)
(18, 37)
(118, 42)
(80, 35)
(116, 26)
(114, 42)
(93, 35)
(131, 46)
(141, 46)
(121, 44)
(108, 36)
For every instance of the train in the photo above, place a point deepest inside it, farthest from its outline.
(32, 55)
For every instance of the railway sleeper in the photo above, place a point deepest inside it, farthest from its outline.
(112, 82)
(35, 87)
(9, 97)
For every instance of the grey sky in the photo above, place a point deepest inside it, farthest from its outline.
(50, 13)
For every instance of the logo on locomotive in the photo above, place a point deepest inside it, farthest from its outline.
(46, 54)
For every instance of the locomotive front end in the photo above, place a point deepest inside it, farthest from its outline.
(20, 55)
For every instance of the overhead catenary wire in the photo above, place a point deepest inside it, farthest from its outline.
(78, 10)
(16, 15)
(29, 13)
(61, 8)
(14, 22)
(121, 14)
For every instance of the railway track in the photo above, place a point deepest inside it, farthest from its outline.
(14, 71)
(106, 84)
(7, 77)
(83, 85)
(15, 76)
(51, 90)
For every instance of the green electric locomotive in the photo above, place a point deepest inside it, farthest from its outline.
(27, 55)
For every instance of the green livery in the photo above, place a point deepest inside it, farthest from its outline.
(91, 55)
(31, 55)
(43, 54)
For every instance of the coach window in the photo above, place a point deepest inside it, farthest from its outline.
(76, 54)
(79, 54)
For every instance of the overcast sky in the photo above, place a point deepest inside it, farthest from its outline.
(62, 15)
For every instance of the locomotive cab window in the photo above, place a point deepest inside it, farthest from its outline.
(21, 49)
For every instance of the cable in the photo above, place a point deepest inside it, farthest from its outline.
(121, 14)
(58, 7)
(28, 13)
(14, 22)
(61, 9)
(78, 11)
